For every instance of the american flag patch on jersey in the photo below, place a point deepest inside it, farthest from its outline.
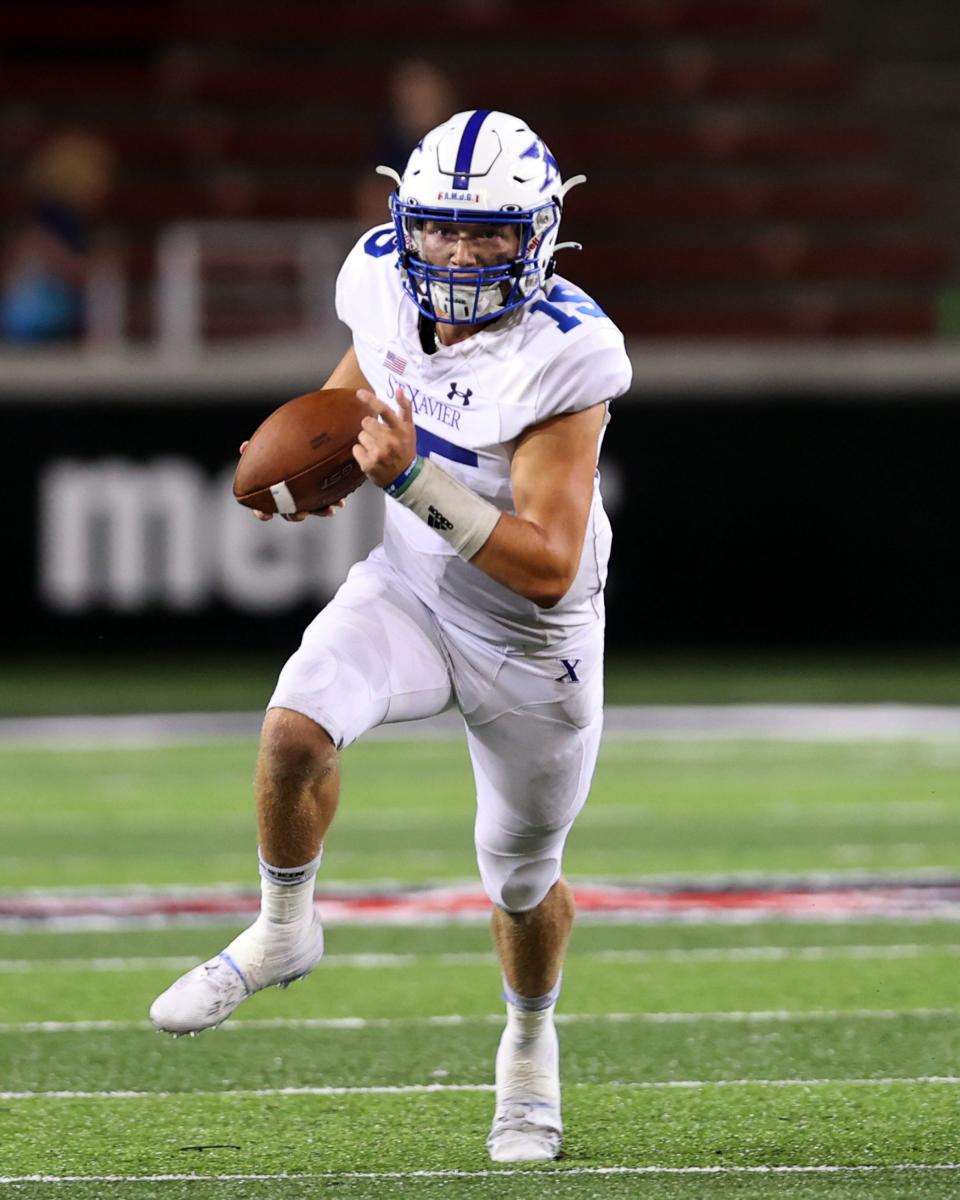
(395, 362)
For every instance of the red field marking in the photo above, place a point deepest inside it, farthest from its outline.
(831, 901)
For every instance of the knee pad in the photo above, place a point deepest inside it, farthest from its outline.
(517, 883)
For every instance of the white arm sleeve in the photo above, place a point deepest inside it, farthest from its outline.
(357, 281)
(590, 371)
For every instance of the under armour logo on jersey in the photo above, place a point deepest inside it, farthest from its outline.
(569, 671)
(436, 520)
(464, 396)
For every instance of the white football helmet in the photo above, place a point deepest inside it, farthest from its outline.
(479, 167)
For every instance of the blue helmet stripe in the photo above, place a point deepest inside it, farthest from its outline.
(468, 140)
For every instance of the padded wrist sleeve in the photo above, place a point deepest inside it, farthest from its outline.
(460, 516)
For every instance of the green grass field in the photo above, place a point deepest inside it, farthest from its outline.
(171, 684)
(771, 1059)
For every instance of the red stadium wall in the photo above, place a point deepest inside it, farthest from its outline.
(744, 182)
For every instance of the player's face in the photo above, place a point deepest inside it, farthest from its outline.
(452, 244)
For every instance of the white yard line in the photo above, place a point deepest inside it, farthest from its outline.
(786, 722)
(701, 954)
(429, 1088)
(23, 966)
(542, 1173)
(760, 1016)
(937, 911)
(254, 1093)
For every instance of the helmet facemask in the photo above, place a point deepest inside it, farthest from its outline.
(471, 295)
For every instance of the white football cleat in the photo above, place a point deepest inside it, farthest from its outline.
(526, 1123)
(262, 956)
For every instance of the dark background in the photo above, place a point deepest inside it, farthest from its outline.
(775, 521)
(763, 175)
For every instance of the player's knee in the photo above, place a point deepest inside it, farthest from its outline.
(294, 751)
(517, 884)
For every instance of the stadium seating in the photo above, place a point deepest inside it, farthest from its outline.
(724, 142)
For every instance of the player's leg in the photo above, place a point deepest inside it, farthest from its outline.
(297, 787)
(370, 657)
(532, 779)
(533, 766)
(531, 945)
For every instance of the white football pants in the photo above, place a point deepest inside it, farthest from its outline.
(376, 654)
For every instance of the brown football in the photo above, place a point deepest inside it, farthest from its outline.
(300, 459)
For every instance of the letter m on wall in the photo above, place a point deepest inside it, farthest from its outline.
(121, 535)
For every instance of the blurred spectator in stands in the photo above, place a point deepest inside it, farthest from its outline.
(421, 97)
(48, 260)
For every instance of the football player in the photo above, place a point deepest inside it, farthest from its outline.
(488, 377)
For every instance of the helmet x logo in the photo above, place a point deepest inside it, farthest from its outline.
(550, 168)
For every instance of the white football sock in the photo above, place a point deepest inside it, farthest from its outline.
(528, 1016)
(286, 893)
(526, 1024)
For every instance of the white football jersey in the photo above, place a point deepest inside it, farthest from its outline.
(557, 354)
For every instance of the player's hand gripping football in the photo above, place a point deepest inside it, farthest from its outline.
(387, 443)
(300, 516)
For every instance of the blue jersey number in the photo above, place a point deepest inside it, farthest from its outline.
(566, 321)
(384, 241)
(430, 443)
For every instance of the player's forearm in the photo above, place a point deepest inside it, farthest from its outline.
(529, 560)
(536, 559)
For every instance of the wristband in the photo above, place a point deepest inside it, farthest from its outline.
(461, 517)
(405, 478)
